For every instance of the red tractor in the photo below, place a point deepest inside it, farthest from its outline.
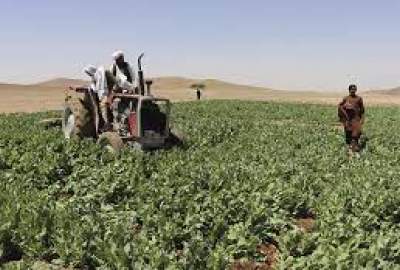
(138, 119)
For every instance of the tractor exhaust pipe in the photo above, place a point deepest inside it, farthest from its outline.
(141, 76)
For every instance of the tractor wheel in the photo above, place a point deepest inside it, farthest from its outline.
(77, 120)
(111, 141)
(176, 138)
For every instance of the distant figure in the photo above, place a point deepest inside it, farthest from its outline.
(351, 114)
(198, 92)
(123, 72)
(198, 87)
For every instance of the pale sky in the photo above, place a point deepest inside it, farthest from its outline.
(282, 44)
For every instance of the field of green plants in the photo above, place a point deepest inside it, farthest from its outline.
(248, 172)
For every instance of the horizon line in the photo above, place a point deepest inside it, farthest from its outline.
(39, 82)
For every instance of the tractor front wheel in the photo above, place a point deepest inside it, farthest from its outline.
(111, 141)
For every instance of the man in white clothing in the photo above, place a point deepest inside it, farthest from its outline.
(101, 84)
(123, 72)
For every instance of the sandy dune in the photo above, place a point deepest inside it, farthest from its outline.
(50, 95)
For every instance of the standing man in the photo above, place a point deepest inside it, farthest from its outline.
(123, 72)
(102, 83)
(351, 114)
(198, 93)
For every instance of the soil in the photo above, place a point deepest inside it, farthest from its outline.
(305, 220)
(306, 225)
(270, 253)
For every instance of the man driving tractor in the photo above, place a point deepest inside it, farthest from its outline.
(123, 72)
(351, 114)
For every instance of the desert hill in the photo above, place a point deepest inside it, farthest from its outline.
(61, 82)
(180, 82)
(159, 83)
(393, 91)
(49, 95)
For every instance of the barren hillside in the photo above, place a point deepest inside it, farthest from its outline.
(61, 82)
(393, 91)
(49, 95)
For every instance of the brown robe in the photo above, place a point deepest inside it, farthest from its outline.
(351, 112)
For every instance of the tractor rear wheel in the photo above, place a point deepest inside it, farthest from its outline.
(77, 120)
(111, 141)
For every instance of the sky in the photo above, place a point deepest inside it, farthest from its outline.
(282, 44)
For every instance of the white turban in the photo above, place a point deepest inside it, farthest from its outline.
(117, 54)
(90, 70)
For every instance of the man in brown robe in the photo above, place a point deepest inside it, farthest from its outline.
(351, 114)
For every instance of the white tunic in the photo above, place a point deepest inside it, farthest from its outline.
(122, 80)
(99, 84)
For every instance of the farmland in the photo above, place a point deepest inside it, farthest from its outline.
(247, 177)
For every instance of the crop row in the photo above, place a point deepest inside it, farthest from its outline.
(247, 173)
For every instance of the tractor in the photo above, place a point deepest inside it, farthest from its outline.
(138, 118)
